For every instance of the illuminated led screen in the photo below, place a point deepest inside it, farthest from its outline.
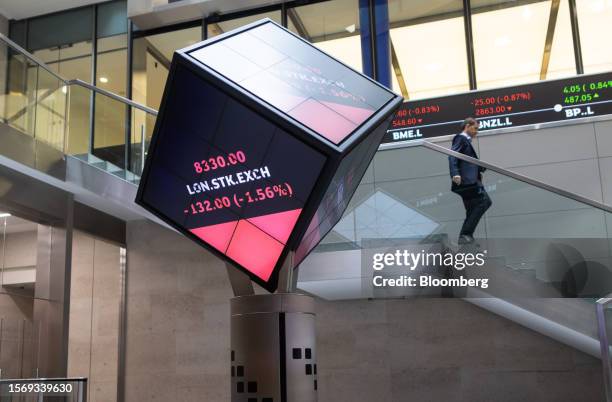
(260, 142)
(232, 179)
(336, 198)
(558, 100)
(297, 79)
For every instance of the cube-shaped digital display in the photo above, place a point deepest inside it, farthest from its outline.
(260, 141)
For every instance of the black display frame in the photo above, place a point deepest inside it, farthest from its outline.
(544, 88)
(332, 152)
(347, 143)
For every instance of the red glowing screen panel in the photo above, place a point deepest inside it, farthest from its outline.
(297, 79)
(229, 177)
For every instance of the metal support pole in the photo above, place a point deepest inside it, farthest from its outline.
(143, 148)
(241, 283)
(285, 275)
(576, 37)
(284, 21)
(469, 43)
(127, 154)
(94, 60)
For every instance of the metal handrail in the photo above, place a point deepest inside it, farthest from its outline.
(52, 379)
(604, 346)
(605, 300)
(78, 82)
(112, 95)
(424, 143)
(516, 176)
(30, 56)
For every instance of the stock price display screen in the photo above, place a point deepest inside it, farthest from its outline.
(255, 127)
(565, 99)
(296, 79)
(228, 177)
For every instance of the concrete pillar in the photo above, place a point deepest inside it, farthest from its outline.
(273, 352)
(52, 296)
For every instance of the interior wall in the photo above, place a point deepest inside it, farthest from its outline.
(18, 339)
(17, 334)
(382, 350)
(443, 350)
(177, 345)
(94, 316)
(20, 249)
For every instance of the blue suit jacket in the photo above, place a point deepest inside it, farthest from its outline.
(470, 173)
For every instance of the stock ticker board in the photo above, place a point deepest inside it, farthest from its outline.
(558, 100)
(257, 154)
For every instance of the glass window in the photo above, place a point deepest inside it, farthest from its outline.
(112, 61)
(151, 57)
(510, 41)
(217, 28)
(594, 17)
(112, 18)
(151, 62)
(428, 38)
(76, 26)
(111, 49)
(110, 115)
(562, 60)
(17, 32)
(69, 60)
(332, 26)
(20, 103)
(68, 50)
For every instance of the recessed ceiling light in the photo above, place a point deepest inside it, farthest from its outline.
(4, 214)
(502, 41)
(103, 80)
(527, 13)
(598, 6)
(433, 67)
(528, 67)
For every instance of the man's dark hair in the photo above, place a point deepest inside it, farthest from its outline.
(469, 121)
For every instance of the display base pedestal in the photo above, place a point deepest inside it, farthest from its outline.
(273, 352)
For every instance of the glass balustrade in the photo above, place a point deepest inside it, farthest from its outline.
(101, 128)
(538, 242)
(34, 101)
